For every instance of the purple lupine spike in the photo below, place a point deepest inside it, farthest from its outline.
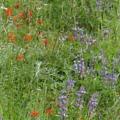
(79, 100)
(81, 91)
(70, 85)
(111, 77)
(63, 100)
(79, 66)
(78, 33)
(93, 102)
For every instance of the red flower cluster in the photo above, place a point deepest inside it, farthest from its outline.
(20, 57)
(34, 114)
(9, 12)
(49, 111)
(28, 37)
(12, 37)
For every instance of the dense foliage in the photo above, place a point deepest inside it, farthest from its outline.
(59, 59)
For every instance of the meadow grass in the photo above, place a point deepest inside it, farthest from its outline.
(46, 43)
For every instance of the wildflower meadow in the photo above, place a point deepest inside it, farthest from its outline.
(59, 59)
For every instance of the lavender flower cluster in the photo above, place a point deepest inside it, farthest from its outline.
(79, 100)
(79, 66)
(79, 34)
(70, 85)
(109, 77)
(93, 102)
(84, 68)
(64, 100)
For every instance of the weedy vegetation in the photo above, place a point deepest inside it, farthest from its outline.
(59, 60)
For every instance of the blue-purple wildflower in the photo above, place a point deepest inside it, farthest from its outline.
(78, 33)
(110, 77)
(79, 66)
(79, 100)
(63, 100)
(93, 102)
(70, 85)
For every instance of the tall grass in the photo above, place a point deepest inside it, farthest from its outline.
(34, 72)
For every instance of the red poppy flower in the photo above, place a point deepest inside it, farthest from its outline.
(49, 111)
(9, 12)
(45, 42)
(28, 37)
(20, 57)
(34, 114)
(21, 15)
(11, 37)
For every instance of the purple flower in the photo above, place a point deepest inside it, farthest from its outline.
(79, 100)
(78, 33)
(70, 84)
(79, 66)
(111, 78)
(63, 100)
(81, 91)
(93, 102)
